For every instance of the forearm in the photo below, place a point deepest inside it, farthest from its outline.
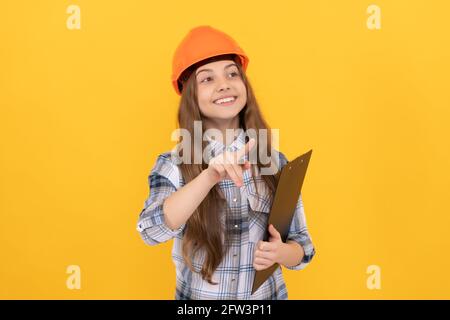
(180, 205)
(291, 254)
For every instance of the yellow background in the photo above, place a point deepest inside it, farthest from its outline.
(84, 113)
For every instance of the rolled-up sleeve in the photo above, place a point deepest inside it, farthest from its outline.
(163, 181)
(298, 232)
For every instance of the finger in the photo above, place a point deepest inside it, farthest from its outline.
(263, 261)
(259, 267)
(269, 246)
(246, 149)
(238, 170)
(232, 174)
(250, 167)
(264, 254)
(274, 232)
(259, 245)
(245, 166)
(236, 167)
(220, 170)
(265, 245)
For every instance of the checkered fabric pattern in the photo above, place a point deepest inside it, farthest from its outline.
(247, 220)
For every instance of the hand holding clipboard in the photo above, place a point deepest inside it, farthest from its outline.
(283, 207)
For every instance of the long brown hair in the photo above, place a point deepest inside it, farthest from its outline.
(204, 229)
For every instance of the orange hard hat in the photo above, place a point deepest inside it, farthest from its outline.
(199, 44)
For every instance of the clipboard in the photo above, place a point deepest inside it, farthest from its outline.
(283, 206)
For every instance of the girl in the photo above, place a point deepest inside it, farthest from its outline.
(217, 210)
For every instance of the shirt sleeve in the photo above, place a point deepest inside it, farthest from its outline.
(163, 180)
(298, 230)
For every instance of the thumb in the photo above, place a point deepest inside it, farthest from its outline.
(274, 232)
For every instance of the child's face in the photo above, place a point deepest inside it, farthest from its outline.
(216, 80)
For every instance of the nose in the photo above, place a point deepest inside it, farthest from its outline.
(223, 85)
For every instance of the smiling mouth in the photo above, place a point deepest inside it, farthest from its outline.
(225, 101)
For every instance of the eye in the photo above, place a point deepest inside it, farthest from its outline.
(231, 73)
(205, 79)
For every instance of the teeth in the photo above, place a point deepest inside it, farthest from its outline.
(224, 100)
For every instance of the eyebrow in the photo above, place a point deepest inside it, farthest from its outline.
(227, 66)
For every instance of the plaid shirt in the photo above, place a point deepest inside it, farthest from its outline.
(248, 215)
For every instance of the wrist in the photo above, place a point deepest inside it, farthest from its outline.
(282, 253)
(291, 253)
(210, 177)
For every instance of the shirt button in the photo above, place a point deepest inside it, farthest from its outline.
(236, 226)
(234, 199)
